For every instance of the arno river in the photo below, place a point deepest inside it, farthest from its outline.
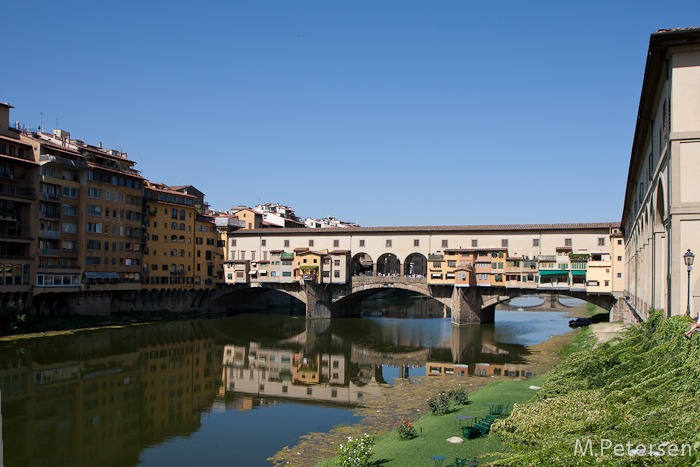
(230, 391)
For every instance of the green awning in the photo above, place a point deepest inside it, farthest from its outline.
(578, 273)
(555, 273)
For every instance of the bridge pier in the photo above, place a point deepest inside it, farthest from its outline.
(318, 301)
(466, 305)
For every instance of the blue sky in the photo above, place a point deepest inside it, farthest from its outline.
(384, 113)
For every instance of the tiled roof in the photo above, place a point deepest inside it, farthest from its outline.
(17, 159)
(441, 228)
(15, 140)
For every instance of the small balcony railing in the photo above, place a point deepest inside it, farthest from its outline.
(50, 234)
(51, 197)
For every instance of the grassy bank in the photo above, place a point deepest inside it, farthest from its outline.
(436, 429)
(643, 390)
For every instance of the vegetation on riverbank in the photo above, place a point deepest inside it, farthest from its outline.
(642, 390)
(30, 325)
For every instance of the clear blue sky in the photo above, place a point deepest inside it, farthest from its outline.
(378, 112)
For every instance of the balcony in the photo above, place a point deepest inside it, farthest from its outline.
(78, 164)
(229, 223)
(179, 272)
(49, 234)
(9, 176)
(551, 258)
(14, 230)
(50, 197)
(50, 215)
(17, 192)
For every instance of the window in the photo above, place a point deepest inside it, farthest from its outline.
(535, 242)
(336, 243)
(416, 242)
(91, 227)
(641, 192)
(336, 274)
(311, 243)
(651, 165)
(233, 242)
(619, 258)
(619, 275)
(262, 242)
(94, 210)
(601, 241)
(73, 192)
(286, 243)
(504, 243)
(567, 242)
(619, 242)
(388, 243)
(475, 243)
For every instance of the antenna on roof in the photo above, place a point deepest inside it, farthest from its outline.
(41, 127)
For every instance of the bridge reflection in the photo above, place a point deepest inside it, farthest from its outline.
(118, 391)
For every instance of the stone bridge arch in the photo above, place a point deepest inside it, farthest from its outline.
(244, 297)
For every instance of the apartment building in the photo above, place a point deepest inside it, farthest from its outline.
(169, 255)
(18, 204)
(90, 227)
(208, 253)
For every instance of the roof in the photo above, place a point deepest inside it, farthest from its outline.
(15, 140)
(121, 172)
(659, 44)
(17, 159)
(430, 229)
(51, 145)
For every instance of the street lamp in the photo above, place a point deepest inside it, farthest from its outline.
(688, 257)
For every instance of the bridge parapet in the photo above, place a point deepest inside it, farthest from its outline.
(357, 280)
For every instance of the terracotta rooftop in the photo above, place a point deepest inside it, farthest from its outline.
(439, 228)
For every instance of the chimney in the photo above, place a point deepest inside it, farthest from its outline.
(99, 145)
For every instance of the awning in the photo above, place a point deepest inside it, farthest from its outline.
(554, 273)
(252, 273)
(578, 273)
(263, 272)
(101, 275)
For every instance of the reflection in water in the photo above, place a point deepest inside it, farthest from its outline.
(118, 396)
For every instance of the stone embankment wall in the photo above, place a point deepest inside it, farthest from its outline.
(106, 303)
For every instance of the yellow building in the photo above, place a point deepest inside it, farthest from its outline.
(208, 253)
(251, 219)
(169, 256)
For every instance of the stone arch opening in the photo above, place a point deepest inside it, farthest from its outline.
(260, 300)
(388, 265)
(361, 265)
(415, 265)
(660, 205)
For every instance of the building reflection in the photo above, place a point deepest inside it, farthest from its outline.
(101, 398)
(94, 401)
(291, 374)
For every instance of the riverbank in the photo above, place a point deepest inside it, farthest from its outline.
(406, 400)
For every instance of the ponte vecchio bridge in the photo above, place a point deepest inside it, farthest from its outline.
(467, 268)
